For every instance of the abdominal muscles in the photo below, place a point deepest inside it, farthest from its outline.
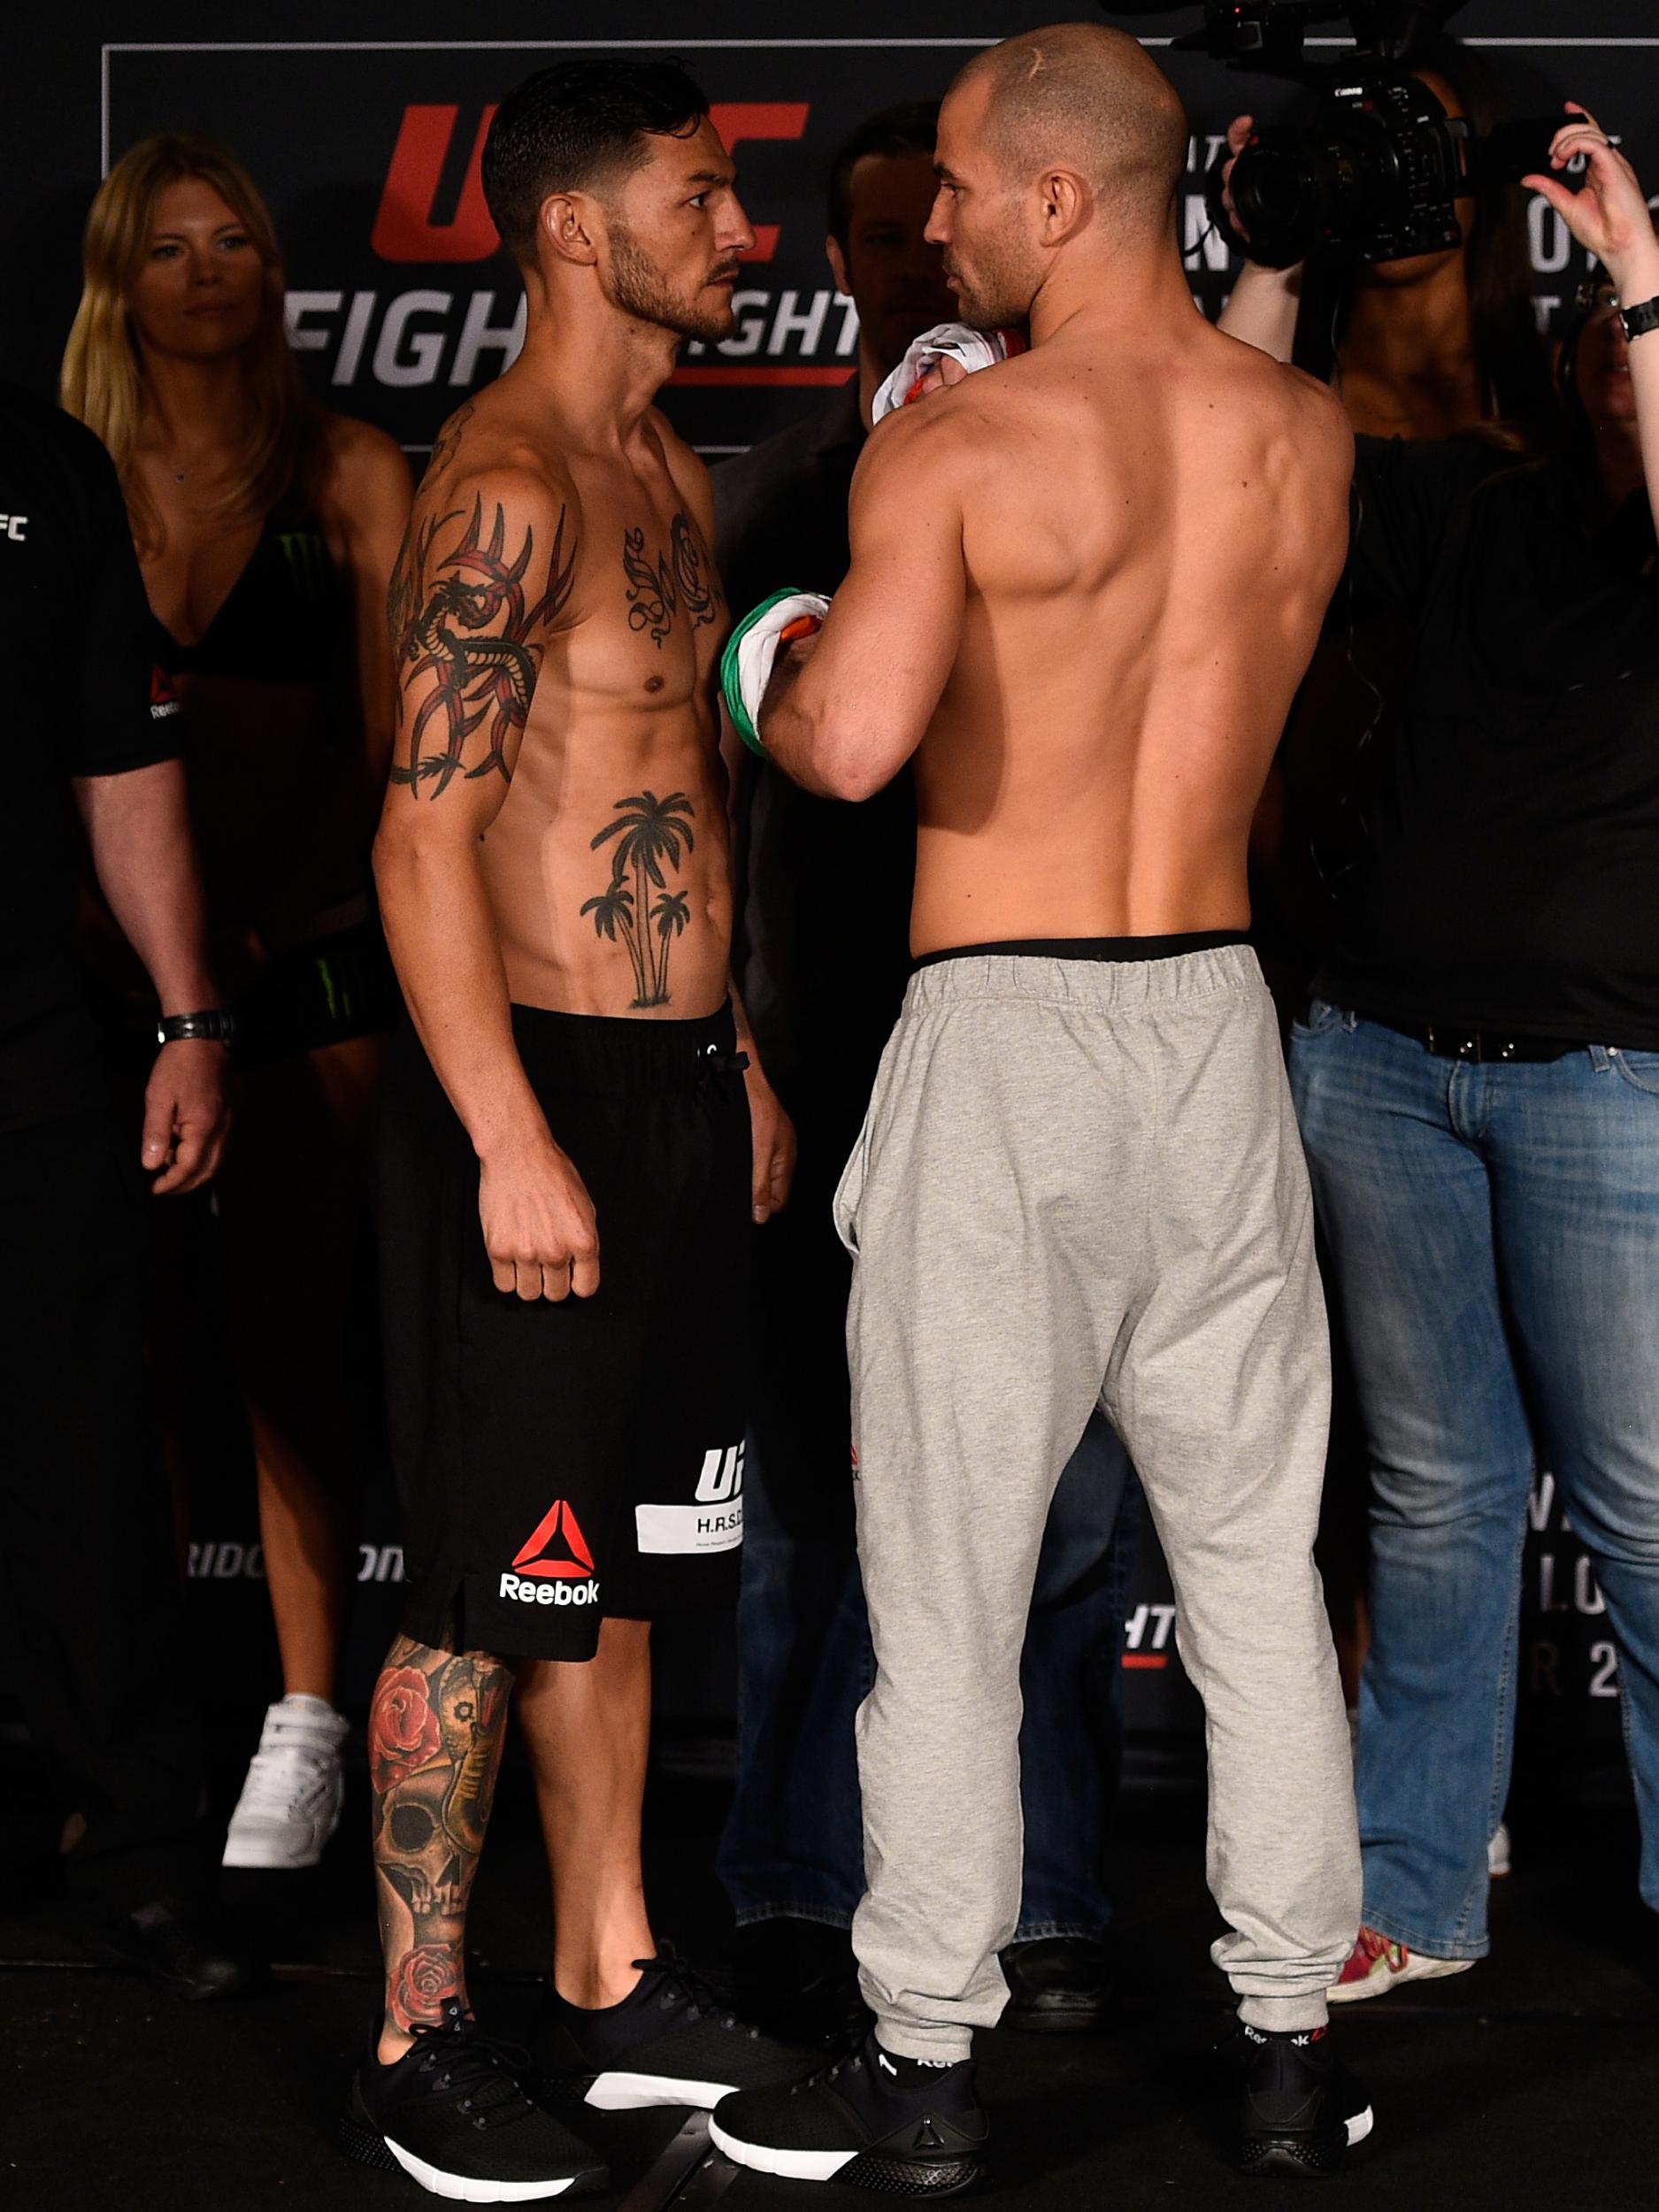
(607, 870)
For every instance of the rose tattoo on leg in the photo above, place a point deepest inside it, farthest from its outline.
(435, 1732)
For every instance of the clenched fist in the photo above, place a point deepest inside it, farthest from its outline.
(539, 1226)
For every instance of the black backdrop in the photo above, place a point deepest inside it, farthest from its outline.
(363, 127)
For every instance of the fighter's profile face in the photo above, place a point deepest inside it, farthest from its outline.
(675, 232)
(979, 218)
(889, 266)
(200, 288)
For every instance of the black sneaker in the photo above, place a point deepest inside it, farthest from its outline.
(673, 2040)
(190, 1947)
(1302, 2111)
(872, 2121)
(451, 2113)
(1057, 1985)
(800, 1980)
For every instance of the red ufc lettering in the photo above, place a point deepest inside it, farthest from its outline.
(738, 119)
(403, 229)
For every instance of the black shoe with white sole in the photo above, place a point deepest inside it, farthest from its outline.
(673, 2040)
(872, 2121)
(1302, 2111)
(453, 2114)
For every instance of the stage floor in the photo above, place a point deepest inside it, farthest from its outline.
(1530, 2084)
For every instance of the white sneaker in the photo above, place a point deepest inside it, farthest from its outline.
(290, 1802)
(1377, 1964)
(1498, 1853)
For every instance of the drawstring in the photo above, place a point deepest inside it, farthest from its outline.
(713, 1060)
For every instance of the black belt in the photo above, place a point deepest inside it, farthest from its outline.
(1452, 1040)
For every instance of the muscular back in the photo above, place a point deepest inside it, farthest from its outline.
(1148, 540)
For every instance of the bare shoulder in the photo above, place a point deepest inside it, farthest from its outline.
(927, 445)
(363, 470)
(687, 470)
(1318, 420)
(497, 491)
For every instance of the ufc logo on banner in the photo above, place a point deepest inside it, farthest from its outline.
(722, 1475)
(404, 228)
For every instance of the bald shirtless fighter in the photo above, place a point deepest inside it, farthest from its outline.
(570, 1160)
(1084, 585)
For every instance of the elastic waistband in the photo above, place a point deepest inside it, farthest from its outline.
(1188, 967)
(616, 1052)
(1116, 948)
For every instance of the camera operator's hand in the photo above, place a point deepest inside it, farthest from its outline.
(1237, 138)
(1264, 303)
(1608, 215)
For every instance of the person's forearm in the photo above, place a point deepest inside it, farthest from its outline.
(790, 736)
(138, 826)
(443, 944)
(1264, 308)
(1637, 279)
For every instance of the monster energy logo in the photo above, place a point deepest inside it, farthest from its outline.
(309, 564)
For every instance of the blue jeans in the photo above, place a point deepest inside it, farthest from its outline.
(1495, 1234)
(794, 1842)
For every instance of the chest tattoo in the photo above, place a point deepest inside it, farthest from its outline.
(679, 583)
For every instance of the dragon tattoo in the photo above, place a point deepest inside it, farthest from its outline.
(440, 632)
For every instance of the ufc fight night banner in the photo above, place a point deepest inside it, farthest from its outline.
(363, 128)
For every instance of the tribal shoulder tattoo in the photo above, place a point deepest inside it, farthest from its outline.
(464, 638)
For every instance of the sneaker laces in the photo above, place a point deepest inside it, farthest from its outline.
(1373, 1945)
(682, 1987)
(285, 1777)
(486, 2067)
(851, 2060)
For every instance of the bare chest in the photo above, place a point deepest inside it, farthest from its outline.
(200, 560)
(648, 617)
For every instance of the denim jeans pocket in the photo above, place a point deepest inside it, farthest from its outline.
(1639, 1069)
(1322, 1015)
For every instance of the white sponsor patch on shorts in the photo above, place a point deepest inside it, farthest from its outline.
(689, 1528)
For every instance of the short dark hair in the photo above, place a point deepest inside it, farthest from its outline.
(912, 128)
(574, 125)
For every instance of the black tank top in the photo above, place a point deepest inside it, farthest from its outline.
(287, 617)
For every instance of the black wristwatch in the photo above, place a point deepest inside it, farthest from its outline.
(1641, 319)
(214, 1026)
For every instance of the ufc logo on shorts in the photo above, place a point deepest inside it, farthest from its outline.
(714, 1523)
(722, 1475)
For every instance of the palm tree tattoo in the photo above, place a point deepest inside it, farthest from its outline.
(439, 632)
(650, 832)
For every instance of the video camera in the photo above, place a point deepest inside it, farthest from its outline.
(1377, 170)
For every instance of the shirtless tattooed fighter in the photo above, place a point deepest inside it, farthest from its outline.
(576, 1080)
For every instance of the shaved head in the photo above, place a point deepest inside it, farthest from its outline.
(1082, 97)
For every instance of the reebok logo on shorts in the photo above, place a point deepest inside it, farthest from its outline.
(714, 1523)
(556, 1568)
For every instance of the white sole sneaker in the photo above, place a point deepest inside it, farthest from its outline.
(1383, 1977)
(292, 1796)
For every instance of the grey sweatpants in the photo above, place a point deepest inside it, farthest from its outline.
(1080, 1181)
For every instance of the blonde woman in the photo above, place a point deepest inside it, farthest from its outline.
(266, 529)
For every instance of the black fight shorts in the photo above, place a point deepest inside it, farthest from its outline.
(561, 1462)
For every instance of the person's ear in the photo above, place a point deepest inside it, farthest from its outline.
(1066, 205)
(568, 224)
(836, 257)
